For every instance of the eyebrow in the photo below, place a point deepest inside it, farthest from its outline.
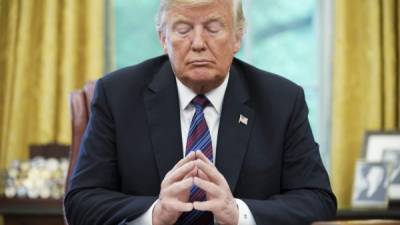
(215, 17)
(210, 18)
(180, 20)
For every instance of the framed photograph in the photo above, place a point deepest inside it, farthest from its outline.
(385, 146)
(376, 142)
(392, 156)
(371, 183)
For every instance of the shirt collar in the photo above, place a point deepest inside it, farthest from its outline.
(215, 96)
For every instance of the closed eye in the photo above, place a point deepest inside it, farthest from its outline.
(183, 28)
(214, 26)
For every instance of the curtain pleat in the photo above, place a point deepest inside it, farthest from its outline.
(365, 82)
(47, 49)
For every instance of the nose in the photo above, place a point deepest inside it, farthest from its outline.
(198, 42)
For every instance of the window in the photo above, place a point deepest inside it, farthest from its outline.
(135, 38)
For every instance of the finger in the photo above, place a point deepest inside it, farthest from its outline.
(209, 169)
(202, 175)
(210, 188)
(205, 205)
(178, 187)
(192, 173)
(202, 157)
(189, 157)
(178, 206)
(179, 173)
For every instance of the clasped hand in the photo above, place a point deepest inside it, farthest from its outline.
(195, 169)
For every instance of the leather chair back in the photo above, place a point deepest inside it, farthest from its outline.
(79, 101)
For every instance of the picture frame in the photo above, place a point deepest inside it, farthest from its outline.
(379, 146)
(371, 184)
(392, 156)
(375, 142)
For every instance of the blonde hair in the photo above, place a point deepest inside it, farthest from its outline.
(238, 15)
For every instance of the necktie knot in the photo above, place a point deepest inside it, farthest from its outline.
(200, 101)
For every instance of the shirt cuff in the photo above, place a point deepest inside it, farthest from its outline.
(245, 215)
(145, 219)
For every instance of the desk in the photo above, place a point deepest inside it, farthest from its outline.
(393, 213)
(31, 211)
(358, 214)
(49, 212)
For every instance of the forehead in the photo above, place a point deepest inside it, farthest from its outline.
(219, 10)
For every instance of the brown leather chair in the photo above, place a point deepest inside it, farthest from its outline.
(359, 222)
(79, 102)
(80, 110)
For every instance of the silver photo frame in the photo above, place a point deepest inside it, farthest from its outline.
(371, 183)
(392, 156)
(385, 146)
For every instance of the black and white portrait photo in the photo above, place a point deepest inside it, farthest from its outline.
(371, 184)
(393, 157)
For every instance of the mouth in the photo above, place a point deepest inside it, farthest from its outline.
(200, 62)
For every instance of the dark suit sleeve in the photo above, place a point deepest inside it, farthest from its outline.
(305, 195)
(95, 195)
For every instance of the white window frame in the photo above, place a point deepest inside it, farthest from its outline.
(325, 31)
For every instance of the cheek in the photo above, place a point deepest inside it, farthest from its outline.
(177, 52)
(224, 51)
(223, 45)
(178, 49)
(179, 43)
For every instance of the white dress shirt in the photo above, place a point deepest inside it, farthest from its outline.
(212, 115)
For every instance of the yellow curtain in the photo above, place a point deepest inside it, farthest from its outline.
(365, 82)
(47, 49)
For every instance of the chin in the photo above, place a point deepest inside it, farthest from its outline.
(204, 78)
(202, 86)
(204, 74)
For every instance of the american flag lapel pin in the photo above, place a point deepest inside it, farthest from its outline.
(243, 120)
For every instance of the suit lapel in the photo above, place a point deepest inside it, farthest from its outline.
(233, 135)
(162, 108)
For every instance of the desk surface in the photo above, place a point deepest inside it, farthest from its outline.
(353, 214)
(31, 206)
(54, 207)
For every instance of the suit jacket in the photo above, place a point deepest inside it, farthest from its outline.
(134, 138)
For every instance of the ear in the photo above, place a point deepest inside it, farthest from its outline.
(238, 40)
(163, 40)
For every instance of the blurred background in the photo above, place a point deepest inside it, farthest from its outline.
(345, 54)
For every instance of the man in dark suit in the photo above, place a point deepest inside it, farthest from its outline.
(198, 137)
